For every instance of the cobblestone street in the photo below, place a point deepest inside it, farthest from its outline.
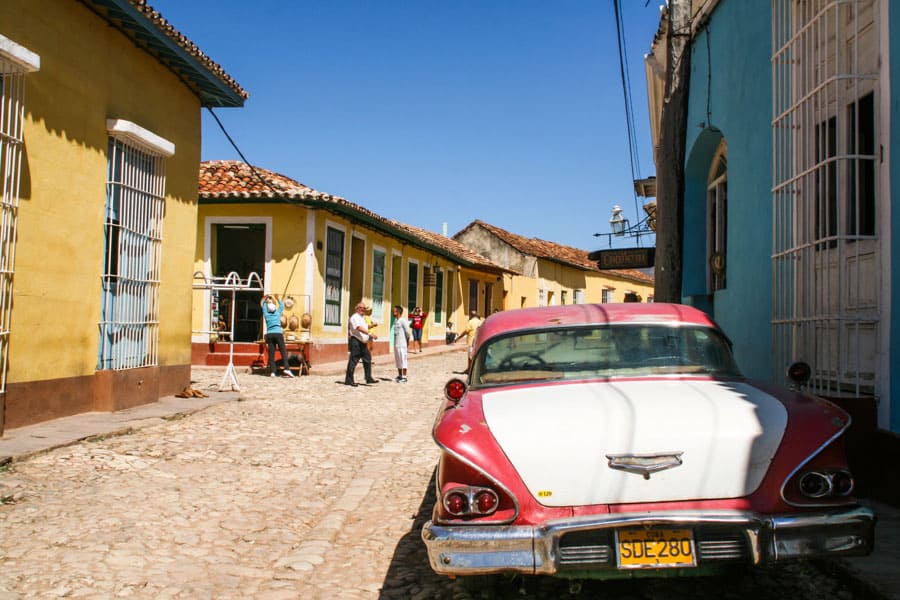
(304, 489)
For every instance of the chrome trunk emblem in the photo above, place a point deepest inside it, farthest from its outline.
(644, 464)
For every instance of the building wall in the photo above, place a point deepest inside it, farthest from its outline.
(89, 72)
(735, 103)
(597, 282)
(297, 264)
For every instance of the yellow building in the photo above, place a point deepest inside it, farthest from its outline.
(99, 204)
(548, 274)
(326, 254)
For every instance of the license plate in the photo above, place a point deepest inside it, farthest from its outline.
(655, 548)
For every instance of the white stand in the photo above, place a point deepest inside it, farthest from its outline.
(232, 282)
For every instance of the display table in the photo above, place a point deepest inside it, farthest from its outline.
(300, 349)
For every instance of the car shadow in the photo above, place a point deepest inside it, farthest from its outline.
(409, 569)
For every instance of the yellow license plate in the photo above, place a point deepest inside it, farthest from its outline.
(655, 548)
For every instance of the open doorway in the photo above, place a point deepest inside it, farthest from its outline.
(241, 248)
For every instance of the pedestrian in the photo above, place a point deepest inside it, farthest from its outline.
(471, 327)
(417, 322)
(402, 335)
(358, 336)
(370, 324)
(273, 307)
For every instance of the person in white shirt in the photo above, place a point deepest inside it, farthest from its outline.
(358, 337)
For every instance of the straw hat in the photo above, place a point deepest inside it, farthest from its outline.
(283, 320)
(289, 302)
(306, 320)
(293, 323)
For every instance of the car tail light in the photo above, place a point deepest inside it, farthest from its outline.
(470, 501)
(842, 482)
(455, 389)
(456, 503)
(815, 485)
(826, 483)
(486, 501)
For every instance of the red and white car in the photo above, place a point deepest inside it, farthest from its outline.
(599, 441)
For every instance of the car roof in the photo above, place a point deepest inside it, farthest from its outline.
(592, 314)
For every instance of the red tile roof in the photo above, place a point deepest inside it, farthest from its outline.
(222, 181)
(555, 252)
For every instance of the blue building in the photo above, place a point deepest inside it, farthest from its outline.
(788, 184)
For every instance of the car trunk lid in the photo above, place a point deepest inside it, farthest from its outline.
(633, 441)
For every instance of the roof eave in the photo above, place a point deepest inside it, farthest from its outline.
(211, 90)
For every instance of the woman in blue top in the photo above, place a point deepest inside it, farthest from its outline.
(272, 308)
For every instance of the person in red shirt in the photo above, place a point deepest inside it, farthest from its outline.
(417, 323)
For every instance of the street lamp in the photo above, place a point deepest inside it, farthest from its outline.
(619, 226)
(617, 223)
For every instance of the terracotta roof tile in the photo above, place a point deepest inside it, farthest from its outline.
(238, 181)
(556, 252)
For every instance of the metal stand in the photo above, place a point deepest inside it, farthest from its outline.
(233, 283)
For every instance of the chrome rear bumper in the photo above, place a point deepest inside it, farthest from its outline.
(749, 538)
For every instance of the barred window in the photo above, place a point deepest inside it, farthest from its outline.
(15, 63)
(826, 259)
(135, 208)
(378, 283)
(334, 275)
(413, 285)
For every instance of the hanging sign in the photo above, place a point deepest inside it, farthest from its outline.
(624, 258)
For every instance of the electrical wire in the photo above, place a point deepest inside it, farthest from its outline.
(278, 193)
(626, 92)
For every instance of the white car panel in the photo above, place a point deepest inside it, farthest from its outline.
(558, 438)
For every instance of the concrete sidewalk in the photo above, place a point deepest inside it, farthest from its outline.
(879, 573)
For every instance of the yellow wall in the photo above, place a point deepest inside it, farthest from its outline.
(89, 72)
(556, 278)
(298, 259)
(596, 282)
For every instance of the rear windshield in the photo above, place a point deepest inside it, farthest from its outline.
(603, 351)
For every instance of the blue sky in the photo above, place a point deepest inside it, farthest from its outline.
(433, 112)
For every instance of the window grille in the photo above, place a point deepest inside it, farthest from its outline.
(334, 275)
(135, 208)
(378, 283)
(606, 296)
(15, 62)
(826, 259)
(413, 285)
(438, 296)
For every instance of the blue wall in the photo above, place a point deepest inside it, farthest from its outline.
(738, 95)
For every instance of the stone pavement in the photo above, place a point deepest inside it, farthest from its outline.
(194, 507)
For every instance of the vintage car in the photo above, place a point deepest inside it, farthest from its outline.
(617, 440)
